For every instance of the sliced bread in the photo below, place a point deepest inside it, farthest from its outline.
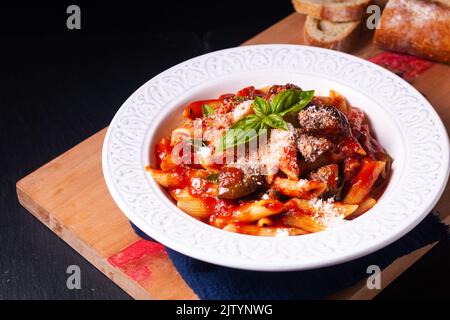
(332, 35)
(332, 10)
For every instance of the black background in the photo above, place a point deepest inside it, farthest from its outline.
(58, 87)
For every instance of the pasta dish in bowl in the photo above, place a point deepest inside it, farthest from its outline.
(274, 161)
(276, 157)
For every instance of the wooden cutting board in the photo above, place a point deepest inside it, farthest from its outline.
(69, 195)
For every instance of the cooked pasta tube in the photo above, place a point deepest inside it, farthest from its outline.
(315, 215)
(364, 180)
(363, 207)
(164, 178)
(180, 194)
(181, 134)
(264, 222)
(230, 227)
(253, 211)
(320, 207)
(195, 207)
(304, 221)
(304, 189)
(167, 163)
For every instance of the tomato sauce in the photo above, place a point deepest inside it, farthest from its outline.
(351, 162)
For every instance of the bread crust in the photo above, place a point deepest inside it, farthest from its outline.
(344, 43)
(332, 12)
(416, 27)
(443, 2)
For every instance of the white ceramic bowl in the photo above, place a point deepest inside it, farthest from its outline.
(404, 122)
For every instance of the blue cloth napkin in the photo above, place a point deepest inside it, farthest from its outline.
(210, 281)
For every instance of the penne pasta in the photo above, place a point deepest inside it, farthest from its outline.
(264, 222)
(164, 178)
(364, 180)
(321, 207)
(230, 227)
(350, 167)
(253, 211)
(304, 189)
(195, 207)
(180, 194)
(181, 134)
(303, 221)
(194, 179)
(363, 207)
(317, 215)
(288, 163)
(218, 221)
(167, 163)
(350, 146)
(334, 99)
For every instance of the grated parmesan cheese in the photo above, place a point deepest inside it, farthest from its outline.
(223, 190)
(204, 152)
(301, 183)
(281, 232)
(242, 110)
(196, 183)
(326, 212)
(249, 163)
(280, 141)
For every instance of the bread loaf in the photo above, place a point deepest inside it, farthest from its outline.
(417, 27)
(332, 10)
(332, 35)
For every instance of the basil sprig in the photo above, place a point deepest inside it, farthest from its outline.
(268, 115)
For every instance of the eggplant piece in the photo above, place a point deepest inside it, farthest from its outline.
(323, 121)
(311, 147)
(234, 183)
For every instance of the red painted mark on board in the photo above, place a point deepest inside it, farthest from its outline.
(135, 259)
(406, 66)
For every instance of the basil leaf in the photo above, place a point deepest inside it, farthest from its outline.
(235, 137)
(267, 115)
(261, 107)
(305, 98)
(212, 177)
(248, 122)
(276, 121)
(284, 100)
(208, 110)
